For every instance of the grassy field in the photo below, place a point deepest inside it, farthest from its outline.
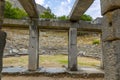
(50, 61)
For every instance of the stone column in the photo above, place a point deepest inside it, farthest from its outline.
(111, 38)
(72, 50)
(33, 45)
(102, 62)
(2, 34)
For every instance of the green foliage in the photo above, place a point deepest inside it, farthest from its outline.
(48, 14)
(14, 13)
(96, 41)
(86, 17)
(63, 17)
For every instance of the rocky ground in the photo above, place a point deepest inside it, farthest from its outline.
(50, 43)
(46, 78)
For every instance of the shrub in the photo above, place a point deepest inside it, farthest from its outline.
(96, 41)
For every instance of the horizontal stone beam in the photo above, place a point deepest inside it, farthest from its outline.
(54, 25)
(79, 8)
(30, 7)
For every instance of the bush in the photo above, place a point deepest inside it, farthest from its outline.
(96, 41)
(86, 17)
(13, 13)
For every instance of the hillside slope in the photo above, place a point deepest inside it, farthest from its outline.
(16, 3)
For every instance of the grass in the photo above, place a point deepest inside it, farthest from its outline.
(50, 61)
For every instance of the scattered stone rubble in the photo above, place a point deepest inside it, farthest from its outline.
(50, 44)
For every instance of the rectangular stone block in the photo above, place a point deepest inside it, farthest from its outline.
(111, 59)
(33, 46)
(109, 5)
(72, 50)
(111, 26)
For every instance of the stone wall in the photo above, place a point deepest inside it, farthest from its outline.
(50, 43)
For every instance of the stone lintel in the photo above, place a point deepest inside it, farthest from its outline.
(79, 8)
(54, 25)
(30, 7)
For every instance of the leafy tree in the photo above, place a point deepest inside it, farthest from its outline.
(86, 17)
(14, 13)
(63, 17)
(48, 14)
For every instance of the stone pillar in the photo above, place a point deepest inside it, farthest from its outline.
(2, 34)
(111, 38)
(72, 50)
(102, 55)
(102, 62)
(33, 45)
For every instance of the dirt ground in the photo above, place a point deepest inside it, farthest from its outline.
(45, 78)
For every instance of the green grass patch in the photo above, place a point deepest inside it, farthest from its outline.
(50, 60)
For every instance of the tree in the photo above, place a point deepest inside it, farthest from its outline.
(86, 17)
(14, 13)
(48, 14)
(63, 17)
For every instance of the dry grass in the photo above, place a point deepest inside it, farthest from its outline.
(45, 78)
(50, 61)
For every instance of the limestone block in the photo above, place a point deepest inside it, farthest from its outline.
(33, 46)
(111, 59)
(109, 5)
(111, 26)
(72, 50)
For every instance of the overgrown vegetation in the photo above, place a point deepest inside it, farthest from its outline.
(86, 17)
(96, 41)
(17, 13)
(13, 13)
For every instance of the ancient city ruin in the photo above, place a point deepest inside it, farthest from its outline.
(109, 30)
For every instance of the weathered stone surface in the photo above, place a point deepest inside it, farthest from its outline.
(102, 54)
(33, 46)
(30, 7)
(111, 26)
(109, 5)
(82, 72)
(51, 43)
(79, 8)
(72, 51)
(111, 60)
(54, 24)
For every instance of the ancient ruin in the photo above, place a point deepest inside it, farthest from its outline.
(109, 30)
